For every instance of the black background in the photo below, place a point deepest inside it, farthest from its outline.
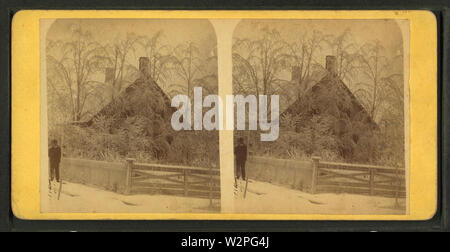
(439, 222)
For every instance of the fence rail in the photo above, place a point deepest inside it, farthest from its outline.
(358, 178)
(173, 180)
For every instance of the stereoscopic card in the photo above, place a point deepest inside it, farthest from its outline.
(224, 115)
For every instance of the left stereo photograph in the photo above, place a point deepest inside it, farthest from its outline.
(107, 143)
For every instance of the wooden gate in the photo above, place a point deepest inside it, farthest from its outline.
(173, 180)
(358, 178)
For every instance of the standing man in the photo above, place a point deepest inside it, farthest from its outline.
(240, 152)
(54, 156)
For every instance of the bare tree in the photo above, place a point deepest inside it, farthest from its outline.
(116, 56)
(245, 75)
(187, 64)
(159, 55)
(208, 78)
(392, 117)
(301, 54)
(345, 50)
(373, 67)
(259, 61)
(73, 64)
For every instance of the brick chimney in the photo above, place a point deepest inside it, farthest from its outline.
(331, 65)
(144, 63)
(109, 75)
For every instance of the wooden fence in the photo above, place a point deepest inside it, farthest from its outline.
(172, 180)
(358, 178)
(107, 175)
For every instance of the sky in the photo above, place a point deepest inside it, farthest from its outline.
(176, 31)
(387, 31)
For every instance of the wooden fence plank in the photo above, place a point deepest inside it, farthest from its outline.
(191, 182)
(173, 168)
(336, 183)
(342, 177)
(128, 180)
(315, 174)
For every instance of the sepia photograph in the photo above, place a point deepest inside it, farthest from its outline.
(108, 85)
(337, 94)
(133, 108)
(220, 120)
(234, 120)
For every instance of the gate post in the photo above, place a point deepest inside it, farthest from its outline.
(129, 168)
(186, 173)
(210, 187)
(315, 167)
(371, 181)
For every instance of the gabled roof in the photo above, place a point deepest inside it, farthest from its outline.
(325, 85)
(141, 85)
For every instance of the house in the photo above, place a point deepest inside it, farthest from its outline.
(142, 104)
(143, 93)
(137, 123)
(331, 106)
